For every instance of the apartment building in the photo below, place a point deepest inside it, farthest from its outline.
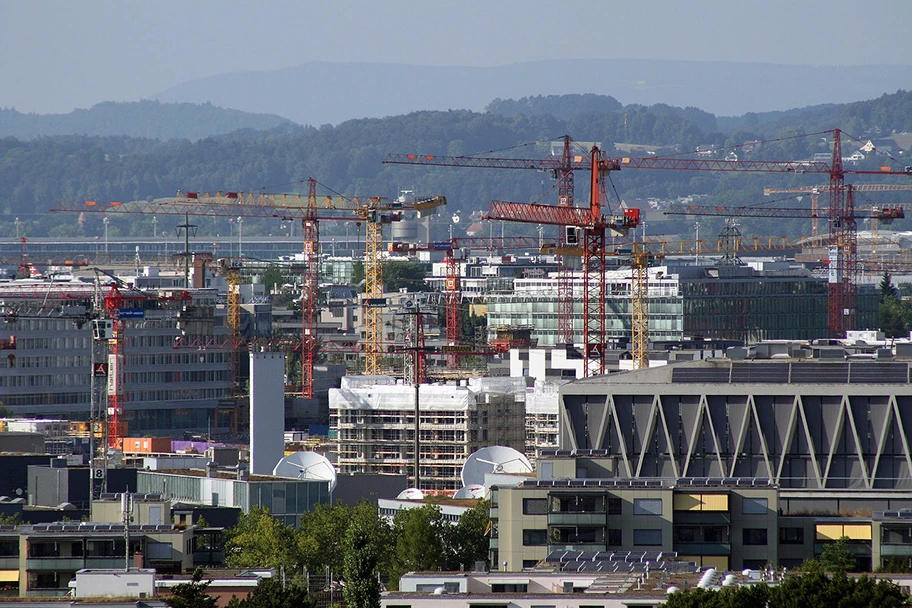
(725, 524)
(40, 560)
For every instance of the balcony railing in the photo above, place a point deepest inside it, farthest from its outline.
(577, 519)
(703, 548)
(49, 564)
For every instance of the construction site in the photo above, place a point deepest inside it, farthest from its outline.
(156, 343)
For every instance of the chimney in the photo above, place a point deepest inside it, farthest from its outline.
(242, 473)
(211, 470)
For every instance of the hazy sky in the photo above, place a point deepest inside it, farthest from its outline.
(56, 55)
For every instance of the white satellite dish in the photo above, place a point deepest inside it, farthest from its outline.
(493, 459)
(469, 492)
(455, 218)
(307, 465)
(411, 494)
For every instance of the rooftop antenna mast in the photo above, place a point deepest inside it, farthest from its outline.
(187, 227)
(126, 507)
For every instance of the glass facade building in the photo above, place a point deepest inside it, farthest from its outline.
(727, 303)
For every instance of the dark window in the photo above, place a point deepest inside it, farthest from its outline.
(754, 536)
(715, 534)
(9, 548)
(614, 505)
(573, 535)
(647, 506)
(615, 537)
(755, 564)
(535, 506)
(897, 536)
(529, 563)
(44, 550)
(535, 538)
(509, 588)
(791, 536)
(648, 538)
(578, 503)
(686, 534)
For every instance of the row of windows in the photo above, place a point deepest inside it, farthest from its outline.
(44, 380)
(647, 537)
(54, 343)
(175, 394)
(591, 502)
(177, 376)
(50, 361)
(193, 357)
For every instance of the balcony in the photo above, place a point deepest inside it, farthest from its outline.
(208, 557)
(577, 547)
(55, 564)
(51, 564)
(577, 519)
(703, 548)
(896, 550)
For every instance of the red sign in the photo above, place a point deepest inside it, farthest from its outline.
(99, 369)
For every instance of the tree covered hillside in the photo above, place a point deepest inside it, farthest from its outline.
(347, 159)
(137, 119)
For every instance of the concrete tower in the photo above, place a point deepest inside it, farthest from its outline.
(267, 411)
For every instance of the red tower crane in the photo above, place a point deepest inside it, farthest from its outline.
(592, 222)
(561, 168)
(842, 234)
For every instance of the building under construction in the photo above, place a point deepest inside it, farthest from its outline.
(374, 421)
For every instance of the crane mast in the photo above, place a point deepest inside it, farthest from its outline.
(310, 290)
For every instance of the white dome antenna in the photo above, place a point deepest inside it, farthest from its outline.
(307, 465)
(493, 459)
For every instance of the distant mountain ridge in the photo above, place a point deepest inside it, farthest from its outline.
(320, 93)
(147, 119)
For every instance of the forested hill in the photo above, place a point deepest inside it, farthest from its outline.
(854, 117)
(149, 119)
(346, 159)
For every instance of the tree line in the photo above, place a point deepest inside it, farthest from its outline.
(355, 544)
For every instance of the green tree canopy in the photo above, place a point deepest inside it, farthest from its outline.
(836, 557)
(405, 275)
(895, 313)
(808, 590)
(271, 277)
(320, 539)
(363, 555)
(271, 593)
(261, 541)
(192, 594)
(467, 542)
(419, 544)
